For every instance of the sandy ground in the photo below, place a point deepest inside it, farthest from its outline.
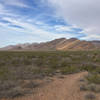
(66, 88)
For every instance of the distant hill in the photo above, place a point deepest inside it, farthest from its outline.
(57, 44)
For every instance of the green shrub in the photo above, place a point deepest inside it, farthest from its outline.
(69, 70)
(93, 78)
(4, 72)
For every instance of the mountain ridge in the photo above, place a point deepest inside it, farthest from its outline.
(57, 44)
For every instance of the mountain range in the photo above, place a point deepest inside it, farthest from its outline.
(57, 44)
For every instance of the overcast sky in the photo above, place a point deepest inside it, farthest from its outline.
(23, 21)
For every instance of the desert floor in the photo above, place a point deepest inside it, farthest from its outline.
(60, 88)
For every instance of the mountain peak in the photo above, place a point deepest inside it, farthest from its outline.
(57, 44)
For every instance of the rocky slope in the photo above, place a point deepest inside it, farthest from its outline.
(57, 44)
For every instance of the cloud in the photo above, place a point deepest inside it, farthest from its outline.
(16, 26)
(6, 12)
(33, 32)
(21, 24)
(66, 28)
(63, 28)
(32, 29)
(2, 9)
(19, 3)
(83, 13)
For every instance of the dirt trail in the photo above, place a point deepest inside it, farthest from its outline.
(66, 88)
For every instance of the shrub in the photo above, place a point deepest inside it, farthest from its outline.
(90, 96)
(69, 70)
(83, 87)
(93, 78)
(82, 80)
(91, 87)
(30, 85)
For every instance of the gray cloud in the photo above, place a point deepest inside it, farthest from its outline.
(83, 13)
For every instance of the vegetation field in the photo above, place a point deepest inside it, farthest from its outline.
(16, 67)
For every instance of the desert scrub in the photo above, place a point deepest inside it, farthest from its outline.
(93, 87)
(12, 93)
(92, 83)
(28, 65)
(69, 70)
(93, 78)
(90, 96)
(30, 85)
(8, 88)
(4, 72)
(16, 88)
(90, 87)
(83, 87)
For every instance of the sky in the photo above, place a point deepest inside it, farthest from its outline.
(28, 21)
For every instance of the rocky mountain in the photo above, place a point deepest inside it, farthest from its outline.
(57, 44)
